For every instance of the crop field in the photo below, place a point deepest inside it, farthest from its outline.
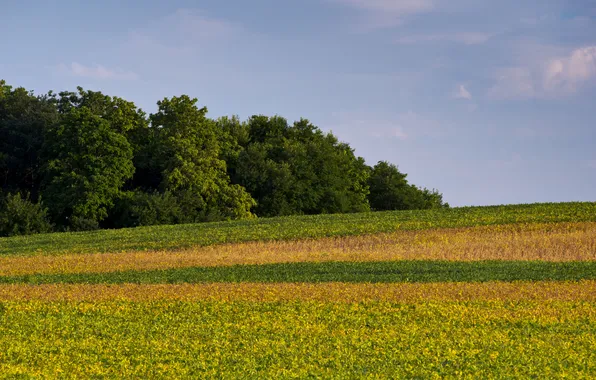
(291, 228)
(477, 292)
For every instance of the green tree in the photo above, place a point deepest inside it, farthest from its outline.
(187, 152)
(24, 118)
(299, 169)
(390, 190)
(87, 163)
(20, 216)
(233, 137)
(124, 117)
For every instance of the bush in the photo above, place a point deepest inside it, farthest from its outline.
(139, 208)
(78, 223)
(20, 216)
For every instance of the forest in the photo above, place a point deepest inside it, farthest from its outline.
(78, 161)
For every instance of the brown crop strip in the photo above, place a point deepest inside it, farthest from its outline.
(545, 242)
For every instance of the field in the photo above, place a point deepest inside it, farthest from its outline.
(489, 292)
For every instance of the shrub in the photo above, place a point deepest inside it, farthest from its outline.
(20, 216)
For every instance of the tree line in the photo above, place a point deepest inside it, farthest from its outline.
(74, 161)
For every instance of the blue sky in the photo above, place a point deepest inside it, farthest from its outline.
(490, 102)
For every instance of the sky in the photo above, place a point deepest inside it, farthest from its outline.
(490, 102)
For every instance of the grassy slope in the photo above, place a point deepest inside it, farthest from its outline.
(102, 338)
(287, 228)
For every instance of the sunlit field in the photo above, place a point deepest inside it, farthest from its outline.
(488, 292)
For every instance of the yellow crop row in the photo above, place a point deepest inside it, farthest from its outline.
(547, 242)
(324, 292)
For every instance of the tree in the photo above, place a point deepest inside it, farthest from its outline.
(98, 160)
(233, 137)
(24, 118)
(187, 152)
(389, 190)
(20, 216)
(87, 163)
(123, 116)
(299, 169)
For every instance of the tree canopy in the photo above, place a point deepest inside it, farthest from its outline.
(84, 160)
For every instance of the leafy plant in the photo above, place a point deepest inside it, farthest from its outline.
(20, 216)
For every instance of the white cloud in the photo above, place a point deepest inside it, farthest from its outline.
(553, 77)
(467, 38)
(462, 93)
(567, 74)
(96, 72)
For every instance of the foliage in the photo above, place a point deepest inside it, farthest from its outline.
(146, 209)
(123, 116)
(100, 161)
(24, 118)
(299, 170)
(389, 190)
(298, 339)
(187, 151)
(19, 216)
(233, 137)
(369, 272)
(294, 227)
(87, 165)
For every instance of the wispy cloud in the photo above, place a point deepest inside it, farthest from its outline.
(183, 31)
(402, 126)
(386, 13)
(393, 6)
(198, 25)
(96, 71)
(462, 93)
(467, 38)
(553, 77)
(391, 131)
(372, 125)
(514, 82)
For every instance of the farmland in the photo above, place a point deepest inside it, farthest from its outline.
(492, 292)
(287, 228)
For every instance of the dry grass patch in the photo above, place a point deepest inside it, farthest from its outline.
(546, 242)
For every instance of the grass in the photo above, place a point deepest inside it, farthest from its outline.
(373, 272)
(546, 242)
(291, 228)
(321, 292)
(298, 339)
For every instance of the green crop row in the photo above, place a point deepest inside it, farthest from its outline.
(373, 272)
(298, 340)
(287, 228)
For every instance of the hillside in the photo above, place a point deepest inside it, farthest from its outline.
(462, 292)
(293, 227)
